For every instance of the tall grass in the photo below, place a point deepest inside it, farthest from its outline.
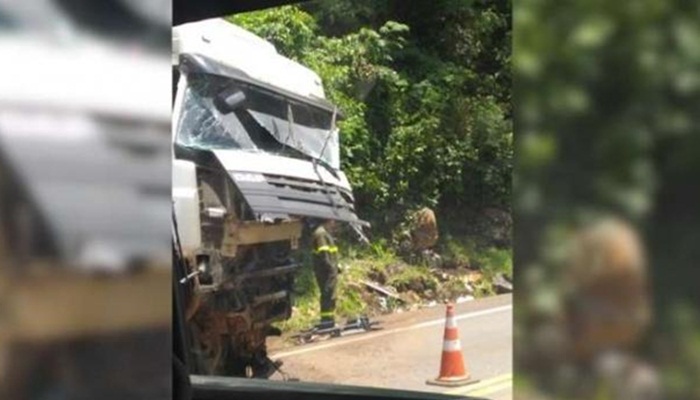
(360, 264)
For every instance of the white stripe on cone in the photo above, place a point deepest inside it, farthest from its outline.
(451, 323)
(452, 345)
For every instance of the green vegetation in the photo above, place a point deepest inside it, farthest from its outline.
(425, 91)
(415, 284)
(468, 253)
(607, 96)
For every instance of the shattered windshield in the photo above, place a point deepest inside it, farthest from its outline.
(264, 121)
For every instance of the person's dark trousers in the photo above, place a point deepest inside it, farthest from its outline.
(327, 279)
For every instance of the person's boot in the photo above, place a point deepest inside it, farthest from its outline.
(326, 323)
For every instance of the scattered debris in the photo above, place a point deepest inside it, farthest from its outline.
(320, 332)
(428, 290)
(502, 285)
(468, 288)
(382, 290)
(432, 259)
(383, 304)
(464, 299)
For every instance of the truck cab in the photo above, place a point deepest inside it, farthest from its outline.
(256, 157)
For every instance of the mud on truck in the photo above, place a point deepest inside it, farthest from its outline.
(256, 159)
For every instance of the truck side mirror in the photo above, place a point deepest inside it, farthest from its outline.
(229, 100)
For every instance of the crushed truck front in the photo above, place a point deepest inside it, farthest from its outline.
(256, 158)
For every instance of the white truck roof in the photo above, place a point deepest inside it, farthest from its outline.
(235, 47)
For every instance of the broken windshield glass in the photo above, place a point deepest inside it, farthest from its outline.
(202, 125)
(265, 121)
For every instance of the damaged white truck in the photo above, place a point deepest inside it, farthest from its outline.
(256, 157)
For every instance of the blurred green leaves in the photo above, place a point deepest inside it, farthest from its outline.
(607, 96)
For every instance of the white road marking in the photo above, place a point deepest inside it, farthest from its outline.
(369, 336)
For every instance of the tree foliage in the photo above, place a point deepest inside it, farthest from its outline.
(607, 96)
(425, 93)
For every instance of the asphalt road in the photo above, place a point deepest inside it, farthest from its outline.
(406, 352)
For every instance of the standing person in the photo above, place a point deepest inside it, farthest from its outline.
(325, 261)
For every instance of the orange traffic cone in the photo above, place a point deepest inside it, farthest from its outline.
(453, 369)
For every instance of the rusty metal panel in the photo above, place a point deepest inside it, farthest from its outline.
(239, 233)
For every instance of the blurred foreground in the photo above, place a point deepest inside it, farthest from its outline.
(607, 230)
(85, 285)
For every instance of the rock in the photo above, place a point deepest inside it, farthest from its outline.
(607, 271)
(502, 285)
(378, 276)
(410, 297)
(474, 276)
(404, 242)
(424, 231)
(415, 285)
